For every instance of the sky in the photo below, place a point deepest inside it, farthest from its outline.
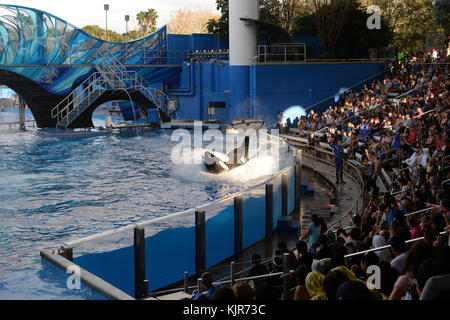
(91, 12)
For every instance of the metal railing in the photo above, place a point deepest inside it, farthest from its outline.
(281, 53)
(357, 254)
(343, 92)
(111, 75)
(417, 212)
(284, 275)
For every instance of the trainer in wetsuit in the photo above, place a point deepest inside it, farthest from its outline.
(339, 160)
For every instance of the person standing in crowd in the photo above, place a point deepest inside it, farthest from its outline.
(373, 170)
(279, 123)
(339, 159)
(314, 231)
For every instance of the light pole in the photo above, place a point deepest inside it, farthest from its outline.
(217, 29)
(106, 11)
(127, 19)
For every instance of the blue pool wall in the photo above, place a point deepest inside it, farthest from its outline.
(171, 252)
(266, 89)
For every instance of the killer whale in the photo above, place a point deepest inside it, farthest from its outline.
(217, 163)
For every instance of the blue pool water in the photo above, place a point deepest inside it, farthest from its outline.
(56, 187)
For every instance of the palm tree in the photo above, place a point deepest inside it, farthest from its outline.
(147, 20)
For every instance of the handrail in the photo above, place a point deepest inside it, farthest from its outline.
(56, 109)
(385, 247)
(107, 74)
(443, 183)
(417, 212)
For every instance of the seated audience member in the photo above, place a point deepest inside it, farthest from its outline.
(223, 294)
(379, 241)
(242, 291)
(257, 269)
(265, 292)
(314, 284)
(388, 278)
(353, 290)
(207, 284)
(416, 229)
(333, 280)
(301, 292)
(324, 249)
(400, 251)
(303, 256)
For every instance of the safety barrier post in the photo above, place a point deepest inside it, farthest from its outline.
(186, 279)
(199, 286)
(67, 252)
(237, 226)
(285, 278)
(233, 273)
(200, 241)
(298, 181)
(139, 262)
(285, 180)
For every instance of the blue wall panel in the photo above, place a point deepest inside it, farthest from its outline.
(280, 87)
(253, 221)
(265, 89)
(220, 237)
(200, 84)
(115, 267)
(168, 255)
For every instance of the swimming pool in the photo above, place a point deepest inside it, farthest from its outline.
(59, 187)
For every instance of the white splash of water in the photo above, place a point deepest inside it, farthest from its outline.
(251, 172)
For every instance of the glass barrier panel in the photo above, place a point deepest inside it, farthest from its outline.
(219, 231)
(291, 190)
(109, 257)
(253, 216)
(277, 200)
(169, 249)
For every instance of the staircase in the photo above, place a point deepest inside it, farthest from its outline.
(110, 75)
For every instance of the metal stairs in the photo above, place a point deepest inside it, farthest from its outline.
(110, 75)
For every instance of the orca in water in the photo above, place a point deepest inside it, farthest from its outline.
(217, 163)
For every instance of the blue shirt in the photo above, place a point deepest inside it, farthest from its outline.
(390, 218)
(338, 153)
(315, 234)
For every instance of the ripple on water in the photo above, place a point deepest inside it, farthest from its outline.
(58, 189)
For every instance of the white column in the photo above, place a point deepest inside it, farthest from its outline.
(243, 35)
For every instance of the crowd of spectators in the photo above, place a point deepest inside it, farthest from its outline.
(399, 125)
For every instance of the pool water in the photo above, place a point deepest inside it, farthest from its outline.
(56, 187)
